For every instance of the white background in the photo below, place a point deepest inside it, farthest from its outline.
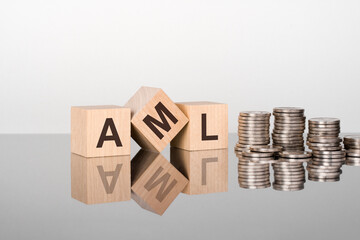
(253, 55)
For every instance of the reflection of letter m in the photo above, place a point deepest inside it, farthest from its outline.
(163, 180)
(151, 122)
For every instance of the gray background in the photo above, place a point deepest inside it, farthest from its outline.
(253, 55)
(36, 204)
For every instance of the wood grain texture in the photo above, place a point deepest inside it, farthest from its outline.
(100, 179)
(143, 105)
(206, 170)
(155, 182)
(215, 123)
(87, 124)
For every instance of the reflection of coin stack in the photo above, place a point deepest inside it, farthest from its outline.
(352, 146)
(328, 156)
(254, 166)
(289, 128)
(254, 175)
(253, 129)
(289, 172)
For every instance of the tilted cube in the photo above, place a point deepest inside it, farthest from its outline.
(155, 183)
(155, 119)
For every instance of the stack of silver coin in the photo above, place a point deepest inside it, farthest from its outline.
(352, 146)
(253, 129)
(328, 155)
(289, 171)
(289, 128)
(254, 165)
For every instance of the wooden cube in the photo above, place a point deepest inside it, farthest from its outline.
(155, 183)
(156, 120)
(98, 131)
(206, 170)
(100, 179)
(207, 127)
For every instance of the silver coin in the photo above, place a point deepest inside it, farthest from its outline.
(353, 154)
(252, 173)
(255, 187)
(242, 182)
(323, 144)
(353, 164)
(288, 143)
(288, 188)
(257, 154)
(351, 147)
(317, 124)
(299, 168)
(355, 138)
(288, 136)
(254, 137)
(315, 179)
(254, 117)
(328, 156)
(255, 143)
(288, 128)
(295, 154)
(310, 135)
(266, 149)
(276, 115)
(254, 121)
(253, 179)
(255, 113)
(251, 165)
(326, 148)
(325, 139)
(352, 158)
(324, 175)
(339, 152)
(327, 132)
(324, 120)
(355, 151)
(254, 125)
(288, 110)
(289, 174)
(294, 131)
(295, 160)
(257, 158)
(328, 160)
(327, 164)
(265, 160)
(337, 170)
(284, 117)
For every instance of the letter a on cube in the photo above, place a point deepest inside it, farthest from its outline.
(155, 183)
(156, 120)
(99, 131)
(207, 127)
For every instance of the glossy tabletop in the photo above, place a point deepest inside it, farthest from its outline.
(36, 203)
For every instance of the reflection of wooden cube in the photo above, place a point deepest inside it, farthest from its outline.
(98, 131)
(207, 127)
(101, 179)
(155, 183)
(155, 118)
(206, 170)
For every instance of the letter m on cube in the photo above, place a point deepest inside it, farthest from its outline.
(155, 119)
